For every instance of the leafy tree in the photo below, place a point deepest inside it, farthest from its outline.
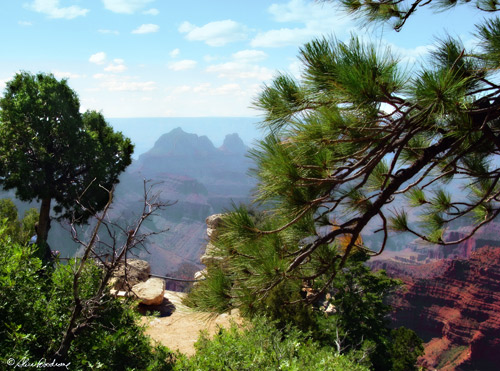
(350, 316)
(50, 151)
(351, 146)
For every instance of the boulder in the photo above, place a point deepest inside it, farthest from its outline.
(213, 221)
(150, 292)
(137, 271)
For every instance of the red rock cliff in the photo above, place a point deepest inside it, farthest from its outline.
(456, 311)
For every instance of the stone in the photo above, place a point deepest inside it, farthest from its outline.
(211, 233)
(150, 292)
(213, 221)
(137, 271)
(200, 274)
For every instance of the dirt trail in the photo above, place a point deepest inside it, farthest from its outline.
(181, 329)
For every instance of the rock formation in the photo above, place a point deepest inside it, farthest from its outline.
(210, 257)
(150, 292)
(135, 280)
(137, 271)
(454, 306)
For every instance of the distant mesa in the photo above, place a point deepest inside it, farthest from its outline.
(233, 144)
(179, 143)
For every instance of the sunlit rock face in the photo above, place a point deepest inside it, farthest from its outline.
(454, 305)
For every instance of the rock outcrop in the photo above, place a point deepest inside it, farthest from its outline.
(454, 305)
(210, 255)
(137, 271)
(150, 292)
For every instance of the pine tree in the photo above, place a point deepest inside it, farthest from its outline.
(357, 143)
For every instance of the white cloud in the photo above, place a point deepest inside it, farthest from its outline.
(66, 75)
(98, 58)
(52, 9)
(117, 66)
(296, 69)
(210, 58)
(205, 87)
(146, 28)
(317, 19)
(24, 23)
(175, 53)
(410, 55)
(112, 32)
(249, 56)
(181, 89)
(283, 37)
(151, 11)
(113, 82)
(235, 70)
(3, 83)
(125, 6)
(217, 33)
(227, 89)
(185, 64)
(300, 11)
(186, 27)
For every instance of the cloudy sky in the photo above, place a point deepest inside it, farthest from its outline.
(157, 58)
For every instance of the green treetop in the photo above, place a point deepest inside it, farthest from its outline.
(50, 151)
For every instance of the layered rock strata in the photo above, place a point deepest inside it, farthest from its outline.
(454, 306)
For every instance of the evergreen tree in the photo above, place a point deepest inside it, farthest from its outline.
(356, 133)
(51, 152)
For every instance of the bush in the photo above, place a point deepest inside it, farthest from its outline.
(35, 306)
(263, 346)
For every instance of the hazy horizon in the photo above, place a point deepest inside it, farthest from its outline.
(145, 131)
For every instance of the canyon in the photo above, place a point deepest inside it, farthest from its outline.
(451, 299)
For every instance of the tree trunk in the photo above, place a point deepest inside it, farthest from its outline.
(43, 229)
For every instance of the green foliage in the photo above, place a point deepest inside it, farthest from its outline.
(19, 231)
(356, 322)
(263, 346)
(397, 12)
(35, 309)
(406, 347)
(8, 213)
(357, 134)
(59, 153)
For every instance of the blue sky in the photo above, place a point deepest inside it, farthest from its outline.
(159, 58)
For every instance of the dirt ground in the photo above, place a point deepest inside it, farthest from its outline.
(181, 328)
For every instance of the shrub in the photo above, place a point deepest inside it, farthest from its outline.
(35, 306)
(263, 346)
